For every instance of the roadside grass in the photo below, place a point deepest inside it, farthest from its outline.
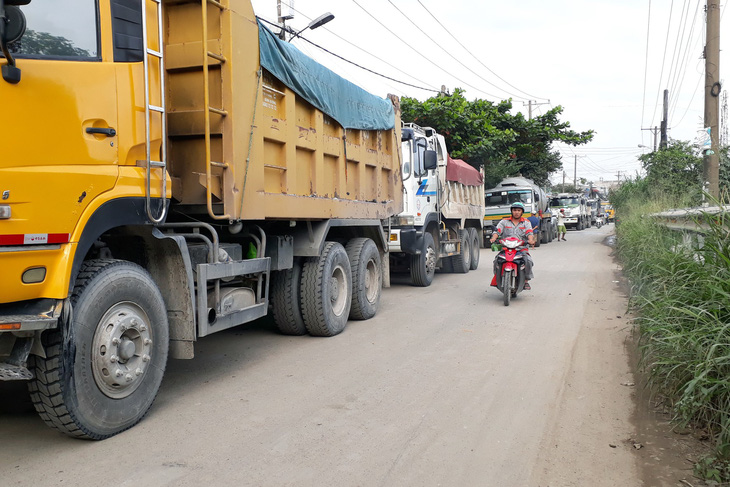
(681, 295)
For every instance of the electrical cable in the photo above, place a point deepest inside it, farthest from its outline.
(646, 68)
(421, 54)
(354, 63)
(677, 88)
(451, 55)
(365, 51)
(477, 59)
(664, 58)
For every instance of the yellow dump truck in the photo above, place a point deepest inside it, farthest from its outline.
(171, 169)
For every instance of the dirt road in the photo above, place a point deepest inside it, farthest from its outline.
(445, 386)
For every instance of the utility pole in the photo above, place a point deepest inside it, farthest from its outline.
(529, 106)
(663, 143)
(563, 188)
(655, 131)
(575, 173)
(283, 18)
(711, 166)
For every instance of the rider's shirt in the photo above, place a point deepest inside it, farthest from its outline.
(507, 228)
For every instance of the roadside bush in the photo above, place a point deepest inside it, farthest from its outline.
(681, 294)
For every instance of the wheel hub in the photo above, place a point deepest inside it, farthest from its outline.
(430, 260)
(338, 290)
(121, 351)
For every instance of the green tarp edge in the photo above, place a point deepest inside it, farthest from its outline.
(350, 105)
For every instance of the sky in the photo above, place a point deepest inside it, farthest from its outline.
(606, 62)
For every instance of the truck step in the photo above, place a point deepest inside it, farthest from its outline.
(14, 372)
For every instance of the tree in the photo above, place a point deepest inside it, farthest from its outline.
(45, 44)
(676, 169)
(485, 134)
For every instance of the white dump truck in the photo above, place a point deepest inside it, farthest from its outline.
(443, 208)
(519, 189)
(577, 210)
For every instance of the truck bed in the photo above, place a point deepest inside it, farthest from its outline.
(275, 155)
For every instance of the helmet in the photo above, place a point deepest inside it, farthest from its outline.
(517, 204)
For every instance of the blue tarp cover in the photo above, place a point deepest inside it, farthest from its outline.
(350, 105)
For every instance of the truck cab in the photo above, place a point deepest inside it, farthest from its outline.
(577, 212)
(497, 203)
(442, 207)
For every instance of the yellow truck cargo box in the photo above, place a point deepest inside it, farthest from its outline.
(242, 139)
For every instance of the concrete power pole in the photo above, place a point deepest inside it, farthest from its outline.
(711, 166)
(283, 17)
(530, 103)
(664, 139)
(575, 173)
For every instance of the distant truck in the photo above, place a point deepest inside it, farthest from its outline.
(443, 207)
(594, 205)
(577, 210)
(519, 189)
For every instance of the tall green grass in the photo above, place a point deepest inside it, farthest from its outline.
(681, 295)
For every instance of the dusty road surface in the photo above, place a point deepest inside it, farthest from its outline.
(445, 386)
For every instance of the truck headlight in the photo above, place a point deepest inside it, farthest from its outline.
(402, 220)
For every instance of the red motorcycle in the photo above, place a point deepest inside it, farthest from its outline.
(509, 276)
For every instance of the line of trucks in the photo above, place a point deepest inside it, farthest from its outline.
(184, 184)
(580, 211)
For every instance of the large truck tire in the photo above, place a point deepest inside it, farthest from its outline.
(327, 291)
(545, 234)
(286, 300)
(475, 247)
(102, 370)
(462, 260)
(367, 278)
(538, 237)
(423, 265)
(447, 265)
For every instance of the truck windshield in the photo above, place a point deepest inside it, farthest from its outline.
(504, 198)
(564, 202)
(59, 30)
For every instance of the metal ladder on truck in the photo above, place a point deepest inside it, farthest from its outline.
(157, 57)
(208, 109)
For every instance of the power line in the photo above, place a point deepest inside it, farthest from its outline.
(676, 89)
(420, 53)
(354, 63)
(646, 67)
(451, 55)
(367, 52)
(477, 59)
(664, 58)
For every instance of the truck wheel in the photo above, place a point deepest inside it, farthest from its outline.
(367, 278)
(462, 261)
(545, 234)
(102, 371)
(327, 291)
(538, 238)
(286, 300)
(474, 235)
(447, 265)
(423, 265)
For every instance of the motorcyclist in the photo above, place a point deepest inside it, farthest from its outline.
(516, 226)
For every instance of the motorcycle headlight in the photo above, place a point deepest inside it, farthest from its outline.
(511, 243)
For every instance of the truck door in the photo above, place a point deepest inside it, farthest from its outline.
(58, 130)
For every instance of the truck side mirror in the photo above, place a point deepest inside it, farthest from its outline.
(12, 28)
(430, 160)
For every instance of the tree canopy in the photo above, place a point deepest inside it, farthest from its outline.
(485, 134)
